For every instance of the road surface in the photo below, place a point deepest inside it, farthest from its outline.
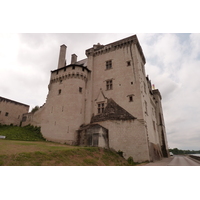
(175, 161)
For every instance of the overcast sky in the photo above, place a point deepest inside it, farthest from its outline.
(172, 63)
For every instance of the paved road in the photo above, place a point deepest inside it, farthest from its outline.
(175, 161)
(183, 161)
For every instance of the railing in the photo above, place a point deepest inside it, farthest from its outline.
(195, 157)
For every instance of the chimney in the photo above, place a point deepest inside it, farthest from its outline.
(62, 61)
(73, 59)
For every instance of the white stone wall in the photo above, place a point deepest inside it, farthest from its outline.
(65, 105)
(129, 137)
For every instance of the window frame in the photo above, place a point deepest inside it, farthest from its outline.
(109, 64)
(100, 107)
(109, 84)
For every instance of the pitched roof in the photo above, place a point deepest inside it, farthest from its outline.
(112, 112)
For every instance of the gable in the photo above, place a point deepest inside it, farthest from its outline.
(112, 112)
(101, 97)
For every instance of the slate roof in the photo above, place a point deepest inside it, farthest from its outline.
(113, 112)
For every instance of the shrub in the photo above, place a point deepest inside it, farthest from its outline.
(120, 153)
(131, 161)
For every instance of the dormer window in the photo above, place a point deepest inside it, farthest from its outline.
(100, 107)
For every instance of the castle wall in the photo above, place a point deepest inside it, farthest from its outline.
(128, 80)
(34, 119)
(11, 111)
(65, 105)
(129, 137)
(160, 124)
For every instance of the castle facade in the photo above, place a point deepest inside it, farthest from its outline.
(105, 100)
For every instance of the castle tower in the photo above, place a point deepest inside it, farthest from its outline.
(65, 105)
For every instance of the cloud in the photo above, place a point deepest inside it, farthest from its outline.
(173, 64)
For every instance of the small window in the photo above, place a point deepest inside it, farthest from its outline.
(83, 69)
(65, 69)
(109, 85)
(57, 72)
(145, 90)
(80, 89)
(128, 63)
(59, 92)
(109, 64)
(154, 125)
(146, 110)
(100, 108)
(24, 118)
(0, 112)
(130, 98)
(131, 83)
(73, 67)
(6, 114)
(60, 81)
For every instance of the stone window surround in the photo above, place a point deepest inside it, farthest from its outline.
(109, 64)
(100, 107)
(109, 84)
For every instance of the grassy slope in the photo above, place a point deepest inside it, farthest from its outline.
(27, 133)
(21, 153)
(25, 146)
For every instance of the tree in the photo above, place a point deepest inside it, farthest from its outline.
(35, 109)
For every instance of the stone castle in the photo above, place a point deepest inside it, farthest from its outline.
(105, 100)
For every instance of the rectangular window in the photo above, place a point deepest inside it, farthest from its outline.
(6, 114)
(154, 125)
(130, 98)
(109, 64)
(59, 92)
(80, 89)
(100, 108)
(109, 85)
(128, 63)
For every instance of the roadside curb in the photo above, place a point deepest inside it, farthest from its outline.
(197, 161)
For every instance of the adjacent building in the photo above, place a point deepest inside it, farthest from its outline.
(11, 112)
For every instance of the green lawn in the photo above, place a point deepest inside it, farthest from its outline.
(27, 133)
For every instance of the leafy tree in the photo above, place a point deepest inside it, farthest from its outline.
(35, 109)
